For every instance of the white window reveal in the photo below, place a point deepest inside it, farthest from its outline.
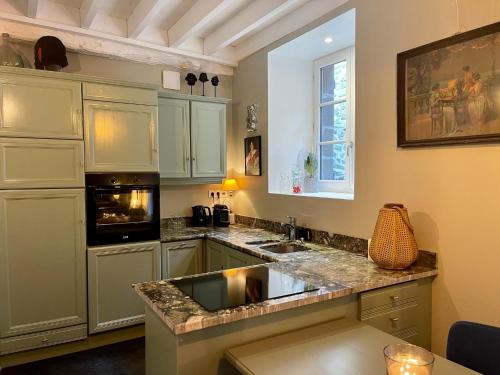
(334, 121)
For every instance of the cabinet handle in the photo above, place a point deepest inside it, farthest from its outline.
(187, 159)
(194, 159)
(45, 340)
(394, 298)
(394, 320)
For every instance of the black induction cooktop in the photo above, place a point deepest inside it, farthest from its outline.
(240, 286)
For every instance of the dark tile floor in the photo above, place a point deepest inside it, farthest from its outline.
(125, 358)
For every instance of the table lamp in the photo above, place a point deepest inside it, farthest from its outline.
(230, 185)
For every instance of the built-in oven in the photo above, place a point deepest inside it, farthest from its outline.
(122, 207)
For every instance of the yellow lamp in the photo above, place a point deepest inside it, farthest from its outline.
(230, 184)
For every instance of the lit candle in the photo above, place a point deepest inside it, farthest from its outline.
(406, 359)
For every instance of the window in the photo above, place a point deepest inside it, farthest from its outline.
(334, 121)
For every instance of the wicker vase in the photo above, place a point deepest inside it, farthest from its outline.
(393, 244)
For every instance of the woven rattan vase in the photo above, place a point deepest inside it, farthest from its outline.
(393, 244)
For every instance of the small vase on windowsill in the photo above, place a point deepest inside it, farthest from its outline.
(311, 182)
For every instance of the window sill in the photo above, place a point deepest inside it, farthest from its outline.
(328, 195)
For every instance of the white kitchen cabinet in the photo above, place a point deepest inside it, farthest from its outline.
(120, 137)
(208, 139)
(40, 107)
(41, 163)
(174, 138)
(111, 272)
(42, 267)
(221, 257)
(181, 258)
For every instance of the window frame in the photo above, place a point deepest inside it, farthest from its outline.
(347, 185)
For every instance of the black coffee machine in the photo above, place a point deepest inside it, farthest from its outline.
(200, 216)
(221, 215)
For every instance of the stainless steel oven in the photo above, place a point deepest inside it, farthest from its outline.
(122, 207)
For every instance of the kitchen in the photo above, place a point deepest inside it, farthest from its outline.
(105, 127)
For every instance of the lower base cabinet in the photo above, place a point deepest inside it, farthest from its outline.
(111, 272)
(403, 310)
(221, 257)
(181, 258)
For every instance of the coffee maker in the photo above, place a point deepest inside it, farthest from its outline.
(202, 216)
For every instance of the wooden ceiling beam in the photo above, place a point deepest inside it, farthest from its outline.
(32, 8)
(142, 15)
(254, 16)
(88, 12)
(197, 17)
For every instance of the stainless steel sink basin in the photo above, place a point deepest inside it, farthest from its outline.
(261, 242)
(285, 247)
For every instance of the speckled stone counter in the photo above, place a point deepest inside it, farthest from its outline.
(337, 273)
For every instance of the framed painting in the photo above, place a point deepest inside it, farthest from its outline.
(253, 156)
(449, 90)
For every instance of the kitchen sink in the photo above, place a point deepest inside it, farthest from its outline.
(261, 242)
(285, 247)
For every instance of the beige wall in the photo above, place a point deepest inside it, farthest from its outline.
(174, 200)
(452, 193)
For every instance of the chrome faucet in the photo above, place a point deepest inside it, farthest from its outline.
(292, 222)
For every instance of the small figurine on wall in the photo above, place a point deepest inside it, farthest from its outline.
(215, 83)
(191, 80)
(252, 118)
(203, 78)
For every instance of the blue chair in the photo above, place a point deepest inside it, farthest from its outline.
(476, 346)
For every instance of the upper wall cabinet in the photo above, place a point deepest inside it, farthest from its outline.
(208, 139)
(192, 138)
(40, 107)
(174, 138)
(120, 135)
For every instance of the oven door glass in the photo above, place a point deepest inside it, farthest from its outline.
(123, 207)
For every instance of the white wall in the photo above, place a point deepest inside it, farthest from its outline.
(452, 192)
(290, 88)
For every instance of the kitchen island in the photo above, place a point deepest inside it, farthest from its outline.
(184, 338)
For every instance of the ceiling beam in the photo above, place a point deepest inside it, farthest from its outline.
(298, 18)
(32, 8)
(257, 14)
(142, 15)
(88, 12)
(197, 17)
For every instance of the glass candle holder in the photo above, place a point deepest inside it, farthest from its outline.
(407, 359)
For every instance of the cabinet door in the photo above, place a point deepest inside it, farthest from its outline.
(235, 259)
(216, 257)
(40, 163)
(112, 271)
(42, 260)
(208, 139)
(40, 107)
(120, 137)
(173, 138)
(181, 258)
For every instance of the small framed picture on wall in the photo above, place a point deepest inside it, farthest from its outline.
(253, 156)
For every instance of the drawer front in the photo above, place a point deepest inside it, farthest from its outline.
(119, 94)
(396, 319)
(391, 296)
(43, 163)
(42, 339)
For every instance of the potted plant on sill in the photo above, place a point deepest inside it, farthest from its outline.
(311, 183)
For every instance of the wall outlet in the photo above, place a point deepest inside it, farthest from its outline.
(218, 196)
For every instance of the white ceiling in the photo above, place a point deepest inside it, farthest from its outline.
(210, 34)
(311, 45)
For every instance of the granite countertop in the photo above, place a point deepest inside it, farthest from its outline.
(337, 273)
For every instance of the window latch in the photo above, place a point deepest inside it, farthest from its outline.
(350, 146)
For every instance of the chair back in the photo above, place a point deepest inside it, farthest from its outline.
(476, 346)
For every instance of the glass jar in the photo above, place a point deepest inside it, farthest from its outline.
(403, 359)
(8, 55)
(297, 181)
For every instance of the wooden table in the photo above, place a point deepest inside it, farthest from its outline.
(340, 347)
